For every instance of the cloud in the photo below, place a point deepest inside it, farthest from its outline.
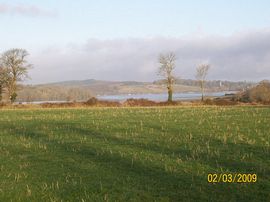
(242, 56)
(25, 10)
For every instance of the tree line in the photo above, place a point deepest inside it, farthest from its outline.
(14, 69)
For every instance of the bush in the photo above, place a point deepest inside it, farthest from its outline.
(148, 103)
(220, 101)
(101, 103)
(208, 102)
(166, 103)
(139, 102)
(224, 102)
(92, 101)
(2, 104)
(259, 94)
(59, 105)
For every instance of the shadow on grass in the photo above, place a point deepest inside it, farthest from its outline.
(148, 178)
(229, 154)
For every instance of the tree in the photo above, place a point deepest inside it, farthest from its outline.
(167, 65)
(202, 71)
(2, 81)
(16, 66)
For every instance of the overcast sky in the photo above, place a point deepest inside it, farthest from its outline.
(121, 40)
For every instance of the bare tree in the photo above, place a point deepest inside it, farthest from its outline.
(167, 65)
(3, 77)
(202, 71)
(16, 66)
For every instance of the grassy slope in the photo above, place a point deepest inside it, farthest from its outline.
(144, 154)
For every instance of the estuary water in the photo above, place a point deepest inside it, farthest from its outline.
(149, 96)
(163, 96)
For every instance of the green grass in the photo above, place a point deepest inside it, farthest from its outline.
(133, 154)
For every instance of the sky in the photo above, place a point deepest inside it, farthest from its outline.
(121, 40)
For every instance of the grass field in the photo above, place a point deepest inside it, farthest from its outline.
(133, 154)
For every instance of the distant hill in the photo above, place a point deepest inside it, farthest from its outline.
(84, 89)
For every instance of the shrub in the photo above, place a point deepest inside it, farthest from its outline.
(208, 102)
(2, 104)
(92, 101)
(259, 94)
(101, 103)
(224, 102)
(139, 102)
(167, 103)
(148, 103)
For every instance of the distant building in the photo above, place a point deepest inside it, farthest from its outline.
(220, 83)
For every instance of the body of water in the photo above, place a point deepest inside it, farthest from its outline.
(162, 97)
(149, 96)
